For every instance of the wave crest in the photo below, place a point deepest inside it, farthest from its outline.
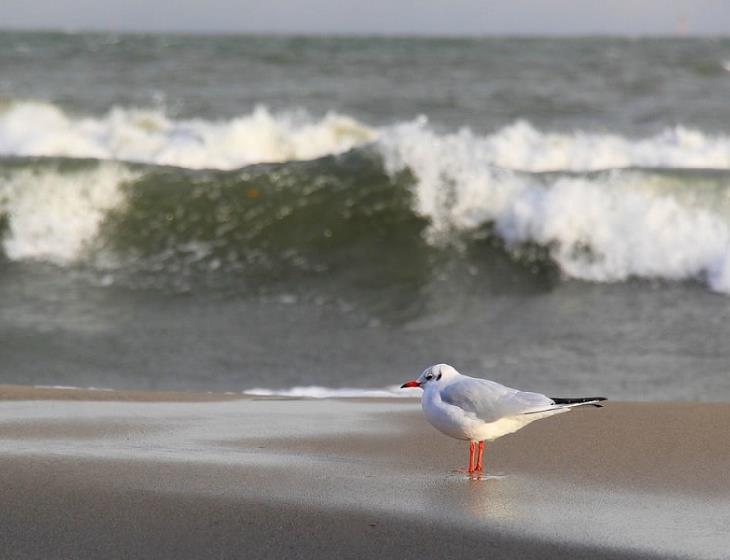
(149, 136)
(34, 128)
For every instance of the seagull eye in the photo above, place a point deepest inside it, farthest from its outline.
(429, 377)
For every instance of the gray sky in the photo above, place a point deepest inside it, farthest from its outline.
(450, 17)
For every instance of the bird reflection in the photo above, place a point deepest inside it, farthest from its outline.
(481, 497)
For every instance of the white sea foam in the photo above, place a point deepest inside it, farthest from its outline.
(30, 128)
(310, 392)
(53, 216)
(520, 146)
(317, 392)
(148, 135)
(606, 227)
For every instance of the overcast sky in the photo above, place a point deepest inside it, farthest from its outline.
(441, 17)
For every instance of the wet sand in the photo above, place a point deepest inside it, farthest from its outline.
(251, 478)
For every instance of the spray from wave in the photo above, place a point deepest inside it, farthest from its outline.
(600, 206)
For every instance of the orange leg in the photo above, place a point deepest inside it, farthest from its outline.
(479, 457)
(472, 445)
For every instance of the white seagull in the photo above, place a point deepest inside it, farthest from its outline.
(480, 410)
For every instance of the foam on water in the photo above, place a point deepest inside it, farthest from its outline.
(310, 392)
(34, 128)
(520, 146)
(317, 392)
(54, 216)
(148, 135)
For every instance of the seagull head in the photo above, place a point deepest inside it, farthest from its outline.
(432, 375)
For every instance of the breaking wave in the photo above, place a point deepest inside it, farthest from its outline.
(383, 205)
(610, 225)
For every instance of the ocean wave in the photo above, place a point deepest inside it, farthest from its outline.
(318, 392)
(337, 214)
(161, 222)
(608, 226)
(384, 212)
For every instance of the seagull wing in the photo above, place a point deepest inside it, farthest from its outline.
(490, 401)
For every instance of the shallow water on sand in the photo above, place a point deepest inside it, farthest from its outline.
(376, 458)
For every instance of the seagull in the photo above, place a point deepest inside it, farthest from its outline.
(479, 410)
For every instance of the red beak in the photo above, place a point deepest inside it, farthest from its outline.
(412, 383)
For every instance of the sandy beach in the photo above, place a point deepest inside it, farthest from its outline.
(139, 476)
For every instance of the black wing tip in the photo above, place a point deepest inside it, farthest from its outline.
(578, 400)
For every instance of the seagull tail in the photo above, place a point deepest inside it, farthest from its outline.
(580, 401)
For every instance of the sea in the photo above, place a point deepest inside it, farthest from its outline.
(330, 215)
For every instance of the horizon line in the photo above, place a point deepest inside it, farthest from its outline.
(364, 34)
